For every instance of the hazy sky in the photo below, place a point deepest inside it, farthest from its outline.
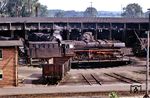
(101, 5)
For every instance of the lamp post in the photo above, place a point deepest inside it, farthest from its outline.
(147, 63)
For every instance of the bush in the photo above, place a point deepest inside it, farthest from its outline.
(113, 95)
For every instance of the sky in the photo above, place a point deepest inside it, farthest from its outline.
(100, 5)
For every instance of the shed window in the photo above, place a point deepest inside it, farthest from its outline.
(1, 55)
(1, 74)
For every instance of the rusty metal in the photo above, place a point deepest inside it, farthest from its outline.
(44, 49)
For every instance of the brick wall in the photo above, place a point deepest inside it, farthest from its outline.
(7, 65)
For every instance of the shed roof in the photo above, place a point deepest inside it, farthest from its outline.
(43, 42)
(10, 43)
(72, 20)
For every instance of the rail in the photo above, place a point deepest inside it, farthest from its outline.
(96, 79)
(86, 79)
(118, 78)
(133, 80)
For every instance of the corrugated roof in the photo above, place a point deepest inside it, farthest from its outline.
(9, 43)
(72, 20)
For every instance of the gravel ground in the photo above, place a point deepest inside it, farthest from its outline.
(136, 72)
(29, 74)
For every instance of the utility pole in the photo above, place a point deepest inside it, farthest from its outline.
(91, 4)
(147, 64)
(91, 8)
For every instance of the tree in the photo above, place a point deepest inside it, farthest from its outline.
(132, 10)
(43, 11)
(90, 12)
(2, 6)
(59, 14)
(146, 14)
(22, 8)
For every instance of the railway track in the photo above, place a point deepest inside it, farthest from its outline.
(91, 79)
(94, 79)
(122, 78)
(88, 79)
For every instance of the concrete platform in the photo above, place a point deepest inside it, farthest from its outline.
(66, 89)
